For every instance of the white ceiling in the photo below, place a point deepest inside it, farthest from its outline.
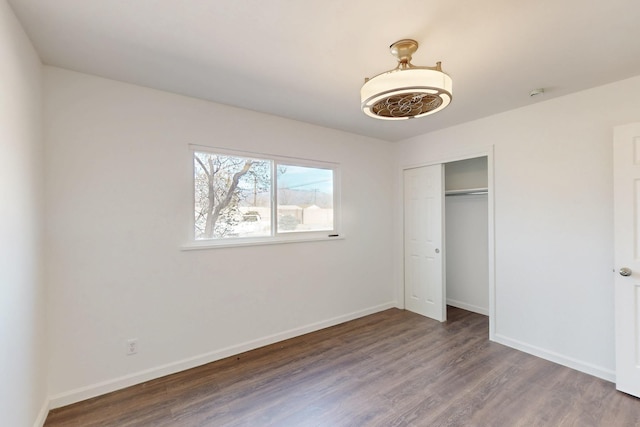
(307, 59)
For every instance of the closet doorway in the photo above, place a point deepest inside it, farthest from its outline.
(467, 234)
(446, 238)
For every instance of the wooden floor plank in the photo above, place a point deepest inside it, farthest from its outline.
(393, 368)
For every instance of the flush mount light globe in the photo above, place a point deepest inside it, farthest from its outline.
(406, 92)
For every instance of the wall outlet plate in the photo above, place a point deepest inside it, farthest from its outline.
(132, 346)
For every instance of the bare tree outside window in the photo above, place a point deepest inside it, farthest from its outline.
(225, 188)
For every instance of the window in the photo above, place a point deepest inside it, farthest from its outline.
(247, 198)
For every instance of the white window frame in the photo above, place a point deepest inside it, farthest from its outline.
(275, 237)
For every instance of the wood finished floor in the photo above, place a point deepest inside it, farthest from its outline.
(393, 368)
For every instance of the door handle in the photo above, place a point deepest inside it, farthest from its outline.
(624, 271)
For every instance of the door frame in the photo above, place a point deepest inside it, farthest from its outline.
(453, 157)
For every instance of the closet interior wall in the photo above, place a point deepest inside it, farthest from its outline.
(466, 221)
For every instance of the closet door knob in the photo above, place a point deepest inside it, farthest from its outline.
(437, 250)
(624, 271)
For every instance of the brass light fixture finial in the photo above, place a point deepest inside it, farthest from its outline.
(403, 50)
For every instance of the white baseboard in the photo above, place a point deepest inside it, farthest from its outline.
(42, 415)
(578, 365)
(108, 386)
(468, 307)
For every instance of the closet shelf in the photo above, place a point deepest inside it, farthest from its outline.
(467, 191)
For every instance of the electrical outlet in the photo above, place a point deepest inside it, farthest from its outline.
(132, 346)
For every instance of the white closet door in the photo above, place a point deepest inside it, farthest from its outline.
(423, 237)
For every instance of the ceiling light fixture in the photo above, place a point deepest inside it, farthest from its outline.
(407, 91)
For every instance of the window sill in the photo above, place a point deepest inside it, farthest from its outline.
(208, 244)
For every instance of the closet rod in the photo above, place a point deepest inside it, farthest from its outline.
(467, 192)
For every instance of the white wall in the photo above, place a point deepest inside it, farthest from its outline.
(119, 196)
(467, 251)
(553, 219)
(466, 174)
(22, 313)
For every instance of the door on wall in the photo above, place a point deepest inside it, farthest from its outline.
(424, 291)
(626, 178)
